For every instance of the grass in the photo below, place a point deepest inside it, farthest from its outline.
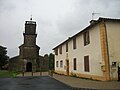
(4, 74)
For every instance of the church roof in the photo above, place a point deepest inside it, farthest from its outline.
(14, 59)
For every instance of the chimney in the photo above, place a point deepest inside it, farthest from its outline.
(93, 21)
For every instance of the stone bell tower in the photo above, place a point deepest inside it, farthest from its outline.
(29, 51)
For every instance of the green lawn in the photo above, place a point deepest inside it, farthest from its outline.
(8, 74)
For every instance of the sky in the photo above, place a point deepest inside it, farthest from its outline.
(56, 20)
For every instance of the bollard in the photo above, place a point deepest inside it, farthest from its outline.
(40, 73)
(32, 73)
(23, 74)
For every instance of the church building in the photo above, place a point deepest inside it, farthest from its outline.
(92, 53)
(29, 59)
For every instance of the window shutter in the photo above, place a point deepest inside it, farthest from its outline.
(86, 63)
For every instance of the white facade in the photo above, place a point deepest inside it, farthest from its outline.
(113, 34)
(94, 50)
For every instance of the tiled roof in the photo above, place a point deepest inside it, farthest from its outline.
(93, 23)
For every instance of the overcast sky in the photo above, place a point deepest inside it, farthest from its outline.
(56, 20)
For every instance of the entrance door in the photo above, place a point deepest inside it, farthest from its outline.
(29, 67)
(67, 66)
(118, 73)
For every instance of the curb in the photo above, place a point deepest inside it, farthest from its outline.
(75, 88)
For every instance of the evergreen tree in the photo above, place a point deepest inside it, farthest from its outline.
(3, 56)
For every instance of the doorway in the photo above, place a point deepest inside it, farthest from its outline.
(118, 73)
(67, 67)
(29, 67)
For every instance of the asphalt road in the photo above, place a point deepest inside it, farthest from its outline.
(32, 83)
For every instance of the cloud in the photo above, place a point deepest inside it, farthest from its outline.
(81, 14)
(56, 20)
(6, 5)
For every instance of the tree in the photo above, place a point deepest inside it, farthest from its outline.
(3, 56)
(51, 61)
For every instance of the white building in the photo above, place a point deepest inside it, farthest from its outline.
(92, 53)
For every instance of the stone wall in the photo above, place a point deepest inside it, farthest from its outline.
(15, 64)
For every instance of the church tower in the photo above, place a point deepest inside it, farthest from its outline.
(29, 51)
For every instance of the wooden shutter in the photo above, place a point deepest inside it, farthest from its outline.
(60, 49)
(86, 63)
(74, 43)
(66, 46)
(61, 63)
(86, 38)
(75, 62)
(56, 63)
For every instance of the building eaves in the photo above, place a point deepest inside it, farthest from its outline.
(14, 58)
(95, 22)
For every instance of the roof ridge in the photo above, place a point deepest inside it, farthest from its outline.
(108, 18)
(89, 26)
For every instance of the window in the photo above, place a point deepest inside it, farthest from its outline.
(86, 38)
(61, 63)
(56, 51)
(60, 49)
(86, 63)
(66, 46)
(74, 62)
(74, 43)
(56, 63)
(114, 64)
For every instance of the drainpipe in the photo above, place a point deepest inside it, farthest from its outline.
(107, 49)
